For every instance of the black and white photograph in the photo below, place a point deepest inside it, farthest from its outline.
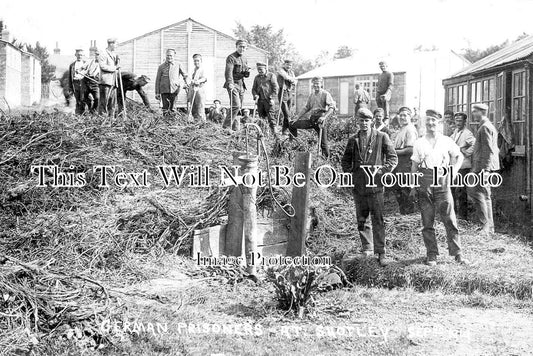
(301, 177)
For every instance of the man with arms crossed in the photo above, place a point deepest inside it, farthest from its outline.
(464, 138)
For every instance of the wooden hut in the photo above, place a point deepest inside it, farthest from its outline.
(143, 54)
(504, 82)
(417, 78)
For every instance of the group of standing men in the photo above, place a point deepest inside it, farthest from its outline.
(408, 152)
(96, 82)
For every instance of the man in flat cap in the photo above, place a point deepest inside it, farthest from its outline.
(320, 105)
(369, 147)
(236, 70)
(464, 138)
(361, 98)
(109, 66)
(168, 82)
(484, 158)
(91, 80)
(264, 90)
(403, 144)
(287, 84)
(431, 152)
(384, 88)
(76, 83)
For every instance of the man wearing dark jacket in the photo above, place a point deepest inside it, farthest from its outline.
(76, 83)
(235, 72)
(287, 84)
(372, 149)
(264, 90)
(384, 88)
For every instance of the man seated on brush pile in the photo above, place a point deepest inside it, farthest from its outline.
(431, 153)
(321, 105)
(369, 149)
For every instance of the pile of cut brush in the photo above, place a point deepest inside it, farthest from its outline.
(39, 302)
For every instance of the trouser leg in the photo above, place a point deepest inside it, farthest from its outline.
(285, 112)
(444, 203)
(300, 124)
(165, 101)
(427, 211)
(172, 101)
(111, 101)
(378, 224)
(198, 106)
(483, 205)
(79, 95)
(364, 227)
(104, 97)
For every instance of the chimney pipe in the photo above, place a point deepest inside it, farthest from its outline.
(57, 50)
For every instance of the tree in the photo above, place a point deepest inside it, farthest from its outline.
(343, 52)
(272, 41)
(47, 70)
(474, 55)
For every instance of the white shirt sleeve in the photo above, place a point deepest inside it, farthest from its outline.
(416, 156)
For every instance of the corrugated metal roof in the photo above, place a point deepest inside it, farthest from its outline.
(514, 52)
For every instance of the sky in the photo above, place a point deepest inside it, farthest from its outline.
(381, 27)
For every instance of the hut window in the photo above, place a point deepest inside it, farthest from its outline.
(483, 91)
(368, 83)
(456, 98)
(518, 108)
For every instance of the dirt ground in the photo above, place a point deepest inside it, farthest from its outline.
(354, 321)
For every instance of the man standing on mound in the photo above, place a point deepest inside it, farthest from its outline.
(373, 148)
(430, 151)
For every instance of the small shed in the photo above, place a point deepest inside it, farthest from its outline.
(504, 82)
(417, 78)
(143, 55)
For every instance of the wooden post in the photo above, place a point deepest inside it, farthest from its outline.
(249, 165)
(233, 245)
(300, 202)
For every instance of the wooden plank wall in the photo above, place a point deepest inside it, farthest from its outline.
(150, 53)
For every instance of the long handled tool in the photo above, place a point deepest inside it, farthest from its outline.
(194, 91)
(319, 148)
(122, 94)
(281, 100)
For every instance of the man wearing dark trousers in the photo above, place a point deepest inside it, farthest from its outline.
(167, 81)
(432, 153)
(286, 83)
(76, 81)
(235, 72)
(264, 90)
(91, 78)
(403, 144)
(384, 88)
(464, 138)
(372, 149)
(321, 105)
(484, 158)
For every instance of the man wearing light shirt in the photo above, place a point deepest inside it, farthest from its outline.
(109, 66)
(320, 105)
(196, 95)
(464, 138)
(403, 144)
(430, 151)
(76, 81)
(91, 78)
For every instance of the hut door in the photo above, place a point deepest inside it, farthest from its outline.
(345, 97)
